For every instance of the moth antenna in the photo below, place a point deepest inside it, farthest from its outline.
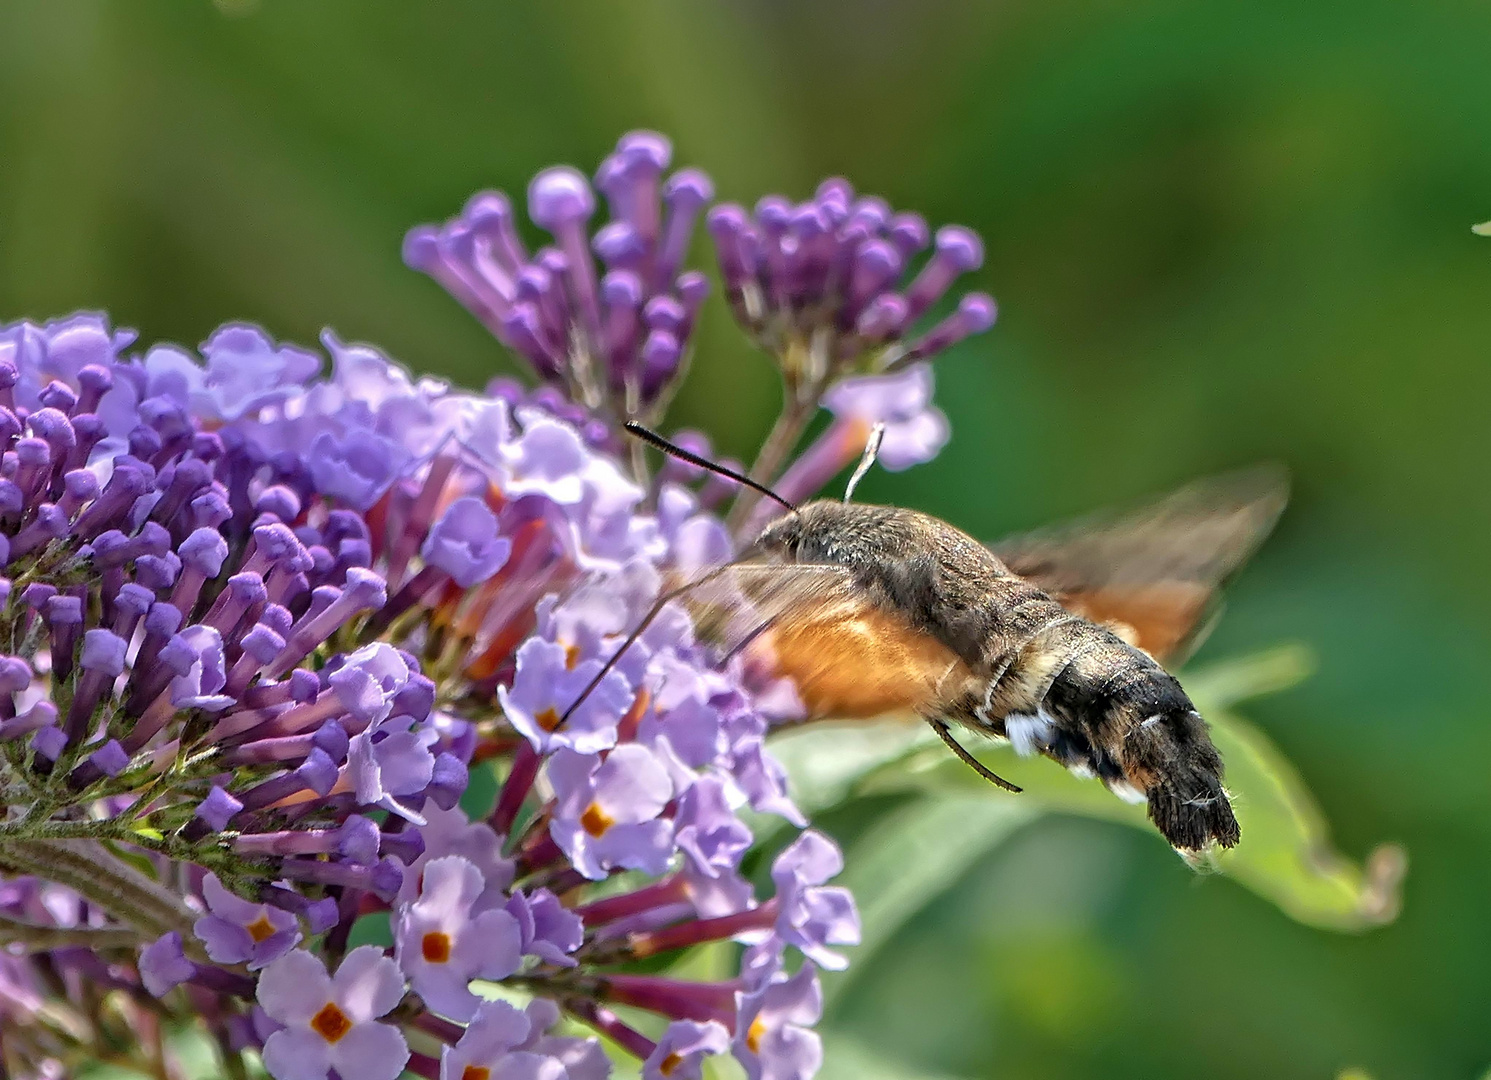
(872, 451)
(968, 759)
(641, 628)
(649, 436)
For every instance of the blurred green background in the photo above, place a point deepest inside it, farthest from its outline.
(1217, 232)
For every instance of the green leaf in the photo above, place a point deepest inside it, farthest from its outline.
(911, 856)
(1483, 229)
(1285, 856)
(1224, 684)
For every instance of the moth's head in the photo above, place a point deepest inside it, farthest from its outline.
(799, 536)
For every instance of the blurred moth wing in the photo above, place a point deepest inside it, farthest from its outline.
(847, 657)
(1153, 574)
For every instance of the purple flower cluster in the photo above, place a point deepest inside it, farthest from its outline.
(617, 337)
(819, 283)
(260, 626)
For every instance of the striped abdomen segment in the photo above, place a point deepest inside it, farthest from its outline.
(1077, 693)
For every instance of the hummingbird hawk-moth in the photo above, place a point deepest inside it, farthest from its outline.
(1054, 641)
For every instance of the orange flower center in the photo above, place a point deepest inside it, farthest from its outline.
(435, 947)
(260, 928)
(548, 719)
(331, 1023)
(754, 1034)
(571, 656)
(476, 1072)
(669, 1063)
(596, 821)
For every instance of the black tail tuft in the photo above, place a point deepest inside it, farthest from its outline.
(1186, 800)
(1191, 816)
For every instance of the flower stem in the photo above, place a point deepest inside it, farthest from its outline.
(799, 402)
(32, 937)
(610, 908)
(699, 931)
(609, 1025)
(673, 998)
(116, 888)
(515, 789)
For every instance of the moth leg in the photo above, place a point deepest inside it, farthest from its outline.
(940, 726)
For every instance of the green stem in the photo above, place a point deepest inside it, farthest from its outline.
(33, 937)
(86, 867)
(797, 410)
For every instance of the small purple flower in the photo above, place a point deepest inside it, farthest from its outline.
(583, 1059)
(810, 916)
(369, 680)
(550, 459)
(196, 655)
(357, 469)
(442, 944)
(546, 684)
(236, 931)
(763, 781)
(681, 1051)
(914, 428)
(606, 812)
(707, 829)
(550, 931)
(395, 765)
(450, 832)
(331, 1022)
(464, 542)
(164, 966)
(489, 1048)
(246, 371)
(772, 1036)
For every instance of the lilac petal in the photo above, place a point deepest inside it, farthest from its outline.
(583, 1059)
(164, 966)
(371, 1052)
(707, 828)
(495, 945)
(496, 1028)
(357, 469)
(369, 679)
(444, 989)
(297, 1053)
(646, 846)
(273, 947)
(686, 1043)
(405, 765)
(294, 988)
(464, 543)
(226, 942)
(632, 784)
(556, 931)
(787, 1053)
(522, 1065)
(226, 904)
(368, 984)
(451, 885)
(246, 371)
(812, 858)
